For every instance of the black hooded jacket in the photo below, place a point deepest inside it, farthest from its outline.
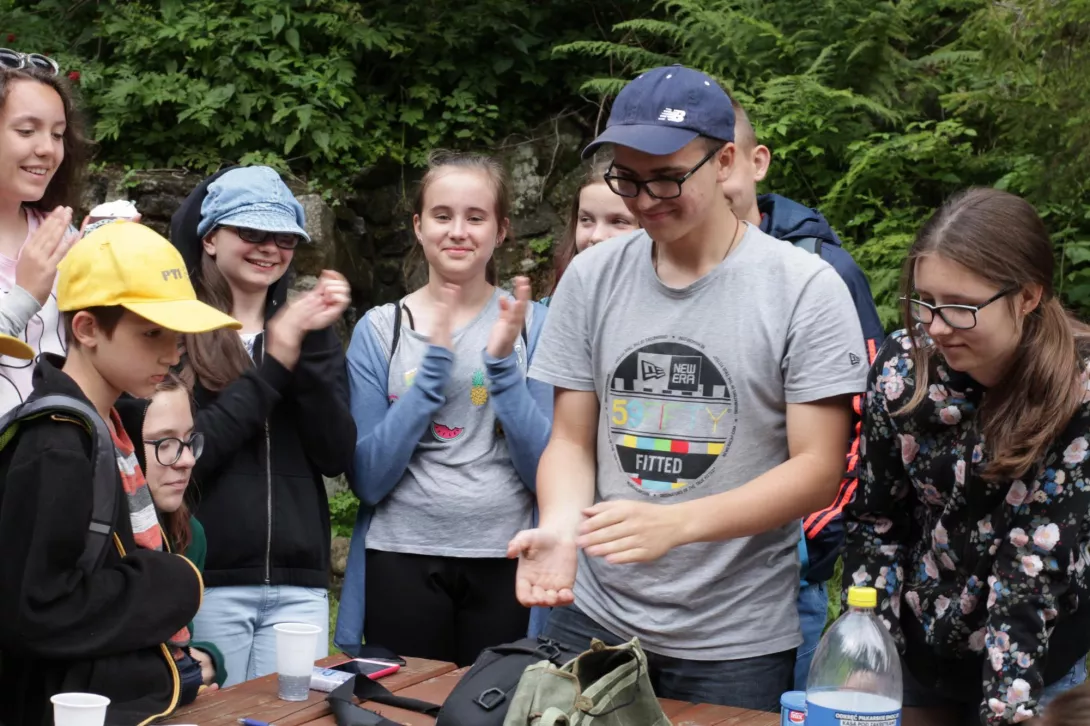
(63, 628)
(269, 437)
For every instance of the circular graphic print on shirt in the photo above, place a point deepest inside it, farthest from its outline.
(672, 413)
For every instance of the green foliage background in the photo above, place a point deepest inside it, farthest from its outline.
(875, 110)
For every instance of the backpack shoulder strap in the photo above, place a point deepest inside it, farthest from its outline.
(810, 244)
(103, 467)
(397, 329)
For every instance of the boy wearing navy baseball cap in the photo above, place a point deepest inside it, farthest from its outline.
(703, 375)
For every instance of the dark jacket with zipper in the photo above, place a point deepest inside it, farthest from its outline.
(269, 437)
(63, 628)
(800, 225)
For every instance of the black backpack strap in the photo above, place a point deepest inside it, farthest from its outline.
(810, 244)
(397, 329)
(103, 467)
(347, 713)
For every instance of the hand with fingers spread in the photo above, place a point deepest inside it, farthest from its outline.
(546, 571)
(624, 531)
(37, 266)
(443, 327)
(508, 325)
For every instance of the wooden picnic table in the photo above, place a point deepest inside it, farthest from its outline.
(427, 680)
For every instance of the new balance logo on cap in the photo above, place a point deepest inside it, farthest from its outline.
(672, 114)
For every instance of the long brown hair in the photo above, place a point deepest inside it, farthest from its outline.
(442, 160)
(566, 250)
(218, 357)
(67, 182)
(176, 523)
(1001, 238)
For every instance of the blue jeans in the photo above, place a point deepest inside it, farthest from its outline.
(754, 683)
(813, 612)
(239, 620)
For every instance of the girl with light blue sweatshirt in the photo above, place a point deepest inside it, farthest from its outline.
(449, 433)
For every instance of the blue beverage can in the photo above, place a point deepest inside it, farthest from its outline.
(793, 708)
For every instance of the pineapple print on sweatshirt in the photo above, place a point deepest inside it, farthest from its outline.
(478, 394)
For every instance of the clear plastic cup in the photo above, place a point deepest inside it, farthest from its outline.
(79, 709)
(295, 647)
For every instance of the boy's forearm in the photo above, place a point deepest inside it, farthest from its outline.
(803, 484)
(565, 486)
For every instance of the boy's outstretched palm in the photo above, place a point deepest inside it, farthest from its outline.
(546, 571)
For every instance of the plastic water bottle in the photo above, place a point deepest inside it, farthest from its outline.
(855, 678)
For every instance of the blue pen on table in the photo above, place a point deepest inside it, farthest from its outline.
(253, 722)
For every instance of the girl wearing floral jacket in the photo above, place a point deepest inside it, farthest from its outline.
(972, 514)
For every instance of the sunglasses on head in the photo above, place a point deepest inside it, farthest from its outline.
(15, 60)
(283, 240)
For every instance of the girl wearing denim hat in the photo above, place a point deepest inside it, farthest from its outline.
(42, 154)
(272, 404)
(450, 432)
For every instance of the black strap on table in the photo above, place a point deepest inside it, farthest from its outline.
(347, 713)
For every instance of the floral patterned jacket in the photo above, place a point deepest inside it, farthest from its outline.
(986, 569)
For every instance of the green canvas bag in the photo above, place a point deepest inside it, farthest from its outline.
(604, 686)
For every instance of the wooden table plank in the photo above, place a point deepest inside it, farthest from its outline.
(257, 698)
(426, 680)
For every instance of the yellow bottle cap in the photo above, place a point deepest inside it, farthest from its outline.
(862, 597)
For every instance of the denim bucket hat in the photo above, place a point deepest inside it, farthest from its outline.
(253, 197)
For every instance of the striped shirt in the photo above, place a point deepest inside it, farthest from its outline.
(145, 522)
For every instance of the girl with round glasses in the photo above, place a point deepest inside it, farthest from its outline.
(972, 513)
(171, 448)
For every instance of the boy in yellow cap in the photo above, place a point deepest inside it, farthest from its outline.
(116, 627)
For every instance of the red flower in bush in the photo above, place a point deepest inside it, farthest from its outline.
(73, 76)
(11, 37)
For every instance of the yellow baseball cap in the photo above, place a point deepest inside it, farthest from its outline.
(127, 264)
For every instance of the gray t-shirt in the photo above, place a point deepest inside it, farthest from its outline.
(693, 386)
(460, 495)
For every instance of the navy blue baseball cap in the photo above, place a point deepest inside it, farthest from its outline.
(664, 109)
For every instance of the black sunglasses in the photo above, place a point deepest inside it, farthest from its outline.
(168, 450)
(657, 188)
(283, 240)
(15, 60)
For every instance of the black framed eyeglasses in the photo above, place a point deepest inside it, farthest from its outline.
(958, 317)
(657, 188)
(168, 450)
(283, 240)
(15, 60)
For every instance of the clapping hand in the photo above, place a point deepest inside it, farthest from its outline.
(37, 266)
(511, 320)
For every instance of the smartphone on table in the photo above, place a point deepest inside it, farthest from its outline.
(327, 679)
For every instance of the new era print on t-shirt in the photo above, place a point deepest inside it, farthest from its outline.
(672, 413)
(693, 387)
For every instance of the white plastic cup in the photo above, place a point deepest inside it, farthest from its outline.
(79, 709)
(295, 647)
